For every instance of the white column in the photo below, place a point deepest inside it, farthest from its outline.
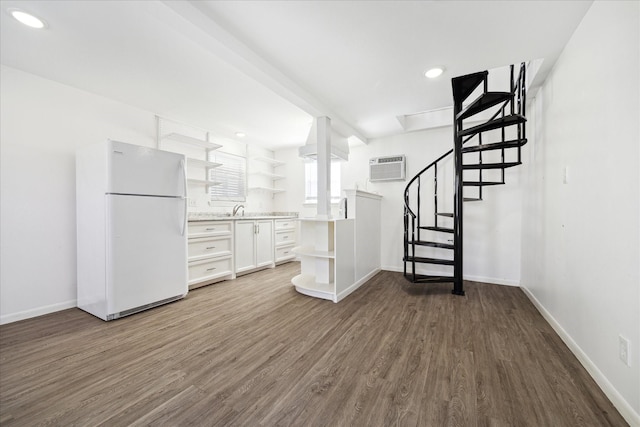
(323, 138)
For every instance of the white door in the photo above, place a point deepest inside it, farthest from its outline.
(147, 251)
(245, 246)
(142, 170)
(264, 243)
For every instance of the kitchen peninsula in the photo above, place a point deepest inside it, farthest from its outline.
(339, 255)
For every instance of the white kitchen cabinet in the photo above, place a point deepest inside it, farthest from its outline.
(264, 243)
(285, 239)
(210, 252)
(366, 209)
(253, 245)
(245, 245)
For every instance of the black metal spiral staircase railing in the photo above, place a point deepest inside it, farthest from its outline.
(499, 138)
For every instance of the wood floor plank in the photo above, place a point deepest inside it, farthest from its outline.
(254, 352)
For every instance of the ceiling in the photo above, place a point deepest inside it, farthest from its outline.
(266, 68)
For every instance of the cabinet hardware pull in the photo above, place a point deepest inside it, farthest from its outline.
(211, 269)
(285, 237)
(286, 252)
(211, 247)
(210, 229)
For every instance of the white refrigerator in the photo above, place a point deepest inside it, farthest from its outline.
(131, 228)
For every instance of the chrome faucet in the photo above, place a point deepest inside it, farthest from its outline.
(236, 208)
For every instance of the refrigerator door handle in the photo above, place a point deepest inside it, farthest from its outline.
(184, 176)
(184, 222)
(184, 197)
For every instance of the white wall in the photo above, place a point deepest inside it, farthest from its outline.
(492, 227)
(42, 124)
(580, 240)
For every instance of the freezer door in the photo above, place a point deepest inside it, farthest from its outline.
(133, 169)
(146, 253)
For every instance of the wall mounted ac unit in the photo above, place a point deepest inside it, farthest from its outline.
(391, 168)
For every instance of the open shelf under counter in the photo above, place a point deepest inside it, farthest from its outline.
(192, 141)
(326, 258)
(306, 284)
(312, 252)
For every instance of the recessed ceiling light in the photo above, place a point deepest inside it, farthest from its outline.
(434, 72)
(27, 18)
(240, 134)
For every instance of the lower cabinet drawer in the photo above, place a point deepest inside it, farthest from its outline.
(285, 224)
(211, 228)
(200, 271)
(284, 252)
(285, 237)
(208, 247)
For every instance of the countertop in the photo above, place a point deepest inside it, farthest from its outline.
(212, 216)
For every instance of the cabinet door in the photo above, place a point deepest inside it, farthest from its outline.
(264, 243)
(245, 254)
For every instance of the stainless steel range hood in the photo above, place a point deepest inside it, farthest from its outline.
(339, 145)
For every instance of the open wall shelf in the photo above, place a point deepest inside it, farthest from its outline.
(184, 139)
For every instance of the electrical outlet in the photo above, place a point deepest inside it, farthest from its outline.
(193, 203)
(623, 345)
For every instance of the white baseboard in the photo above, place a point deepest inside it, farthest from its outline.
(483, 279)
(392, 268)
(27, 314)
(491, 280)
(356, 285)
(625, 409)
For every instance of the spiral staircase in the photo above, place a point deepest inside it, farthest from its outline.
(480, 155)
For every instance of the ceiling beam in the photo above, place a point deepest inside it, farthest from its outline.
(193, 21)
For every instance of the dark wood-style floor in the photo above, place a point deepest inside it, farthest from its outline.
(254, 352)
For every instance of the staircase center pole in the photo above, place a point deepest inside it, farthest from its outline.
(457, 201)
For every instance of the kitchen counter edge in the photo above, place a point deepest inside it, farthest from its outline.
(240, 218)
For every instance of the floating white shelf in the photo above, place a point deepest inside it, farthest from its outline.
(204, 163)
(306, 284)
(193, 141)
(273, 176)
(312, 252)
(270, 190)
(273, 162)
(202, 182)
